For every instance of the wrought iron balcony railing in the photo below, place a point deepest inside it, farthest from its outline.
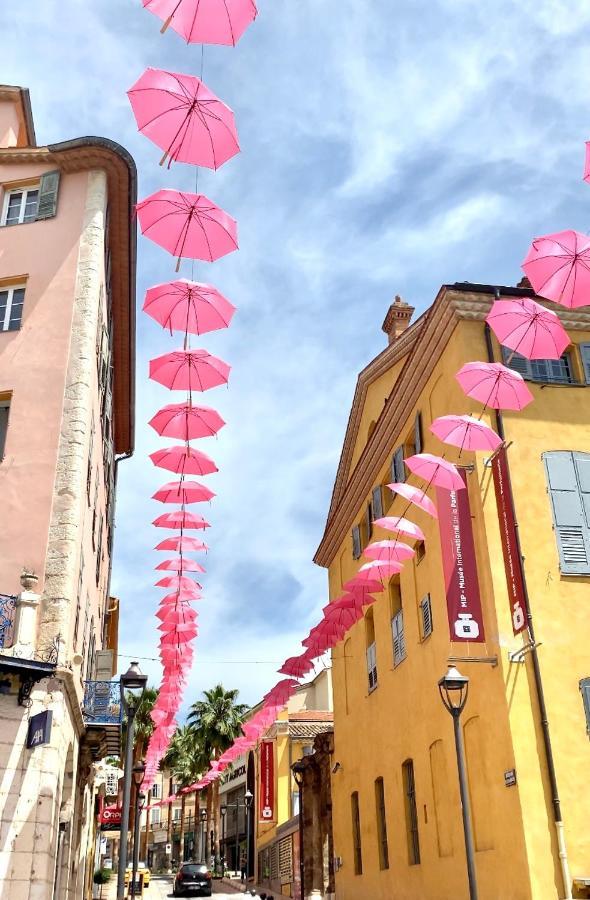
(7, 609)
(102, 703)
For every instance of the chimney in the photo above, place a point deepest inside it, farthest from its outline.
(397, 319)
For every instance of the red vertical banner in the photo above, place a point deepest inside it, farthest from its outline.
(267, 781)
(459, 565)
(507, 521)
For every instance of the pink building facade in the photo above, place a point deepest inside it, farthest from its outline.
(67, 344)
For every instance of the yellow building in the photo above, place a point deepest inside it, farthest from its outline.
(396, 808)
(308, 713)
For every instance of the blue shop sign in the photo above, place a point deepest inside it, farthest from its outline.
(39, 729)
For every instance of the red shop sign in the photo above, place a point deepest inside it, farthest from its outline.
(267, 781)
(110, 815)
(510, 552)
(459, 565)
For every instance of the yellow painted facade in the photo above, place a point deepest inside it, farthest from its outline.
(402, 718)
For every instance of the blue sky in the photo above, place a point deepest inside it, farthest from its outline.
(387, 147)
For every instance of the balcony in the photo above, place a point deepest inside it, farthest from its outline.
(103, 714)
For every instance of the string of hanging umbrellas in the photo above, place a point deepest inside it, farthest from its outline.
(558, 268)
(190, 124)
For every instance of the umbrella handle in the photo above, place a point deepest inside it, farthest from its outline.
(178, 262)
(163, 160)
(166, 24)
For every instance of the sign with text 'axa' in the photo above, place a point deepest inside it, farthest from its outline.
(39, 729)
(267, 781)
(460, 565)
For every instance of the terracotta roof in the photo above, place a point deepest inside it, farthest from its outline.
(308, 729)
(311, 715)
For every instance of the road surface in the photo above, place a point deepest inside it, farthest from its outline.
(161, 889)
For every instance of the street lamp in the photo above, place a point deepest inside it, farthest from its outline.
(454, 689)
(222, 813)
(248, 798)
(298, 769)
(132, 686)
(203, 815)
(138, 776)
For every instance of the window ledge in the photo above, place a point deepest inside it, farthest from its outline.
(372, 689)
(561, 384)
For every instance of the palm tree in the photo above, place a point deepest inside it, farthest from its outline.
(217, 721)
(143, 728)
(186, 762)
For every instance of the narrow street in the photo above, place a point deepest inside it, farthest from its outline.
(161, 889)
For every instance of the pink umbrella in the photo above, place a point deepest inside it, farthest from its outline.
(494, 385)
(179, 564)
(183, 492)
(189, 370)
(183, 117)
(297, 666)
(281, 692)
(177, 640)
(558, 267)
(205, 21)
(401, 525)
(414, 495)
(466, 432)
(435, 470)
(383, 570)
(188, 306)
(344, 616)
(185, 421)
(587, 163)
(526, 327)
(358, 585)
(389, 551)
(179, 628)
(180, 518)
(182, 544)
(177, 614)
(184, 460)
(362, 597)
(345, 601)
(187, 225)
(185, 586)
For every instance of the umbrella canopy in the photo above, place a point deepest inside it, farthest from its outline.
(344, 616)
(281, 692)
(401, 526)
(361, 585)
(189, 370)
(183, 627)
(414, 495)
(389, 551)
(177, 639)
(205, 21)
(184, 460)
(187, 225)
(435, 470)
(558, 267)
(188, 306)
(494, 385)
(184, 586)
(361, 597)
(183, 492)
(180, 518)
(182, 544)
(185, 421)
(465, 432)
(184, 612)
(296, 666)
(179, 564)
(183, 117)
(381, 569)
(527, 328)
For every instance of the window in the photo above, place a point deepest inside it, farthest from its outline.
(549, 371)
(381, 824)
(371, 650)
(420, 552)
(377, 502)
(568, 476)
(399, 641)
(356, 542)
(585, 691)
(426, 616)
(411, 813)
(356, 834)
(368, 522)
(99, 549)
(91, 649)
(418, 438)
(398, 471)
(20, 205)
(79, 599)
(176, 814)
(11, 308)
(90, 454)
(155, 791)
(4, 414)
(155, 816)
(585, 355)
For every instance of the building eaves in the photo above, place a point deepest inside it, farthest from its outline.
(307, 729)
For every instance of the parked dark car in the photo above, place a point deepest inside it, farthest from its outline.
(192, 878)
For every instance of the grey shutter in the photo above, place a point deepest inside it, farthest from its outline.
(4, 412)
(585, 691)
(397, 465)
(426, 616)
(377, 502)
(372, 665)
(397, 633)
(356, 542)
(517, 362)
(571, 508)
(48, 189)
(418, 433)
(104, 665)
(369, 520)
(585, 354)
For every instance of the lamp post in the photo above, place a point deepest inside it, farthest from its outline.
(298, 768)
(203, 835)
(248, 798)
(138, 776)
(132, 686)
(222, 813)
(237, 860)
(454, 688)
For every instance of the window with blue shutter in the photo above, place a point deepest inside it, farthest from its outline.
(585, 691)
(568, 476)
(549, 371)
(398, 472)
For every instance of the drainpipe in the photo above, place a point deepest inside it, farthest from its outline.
(559, 830)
